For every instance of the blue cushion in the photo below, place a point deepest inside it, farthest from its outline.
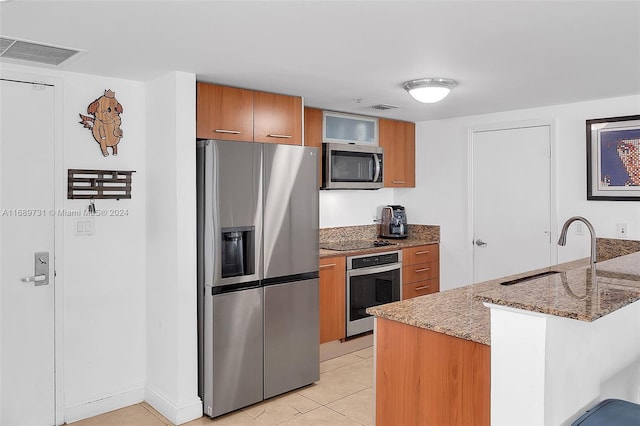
(611, 412)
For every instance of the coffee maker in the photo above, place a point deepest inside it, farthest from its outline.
(393, 222)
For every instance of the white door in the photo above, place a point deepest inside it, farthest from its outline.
(27, 386)
(511, 201)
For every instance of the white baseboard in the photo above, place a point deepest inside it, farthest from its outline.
(178, 415)
(337, 348)
(134, 395)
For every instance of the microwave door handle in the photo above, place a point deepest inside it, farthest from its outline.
(377, 162)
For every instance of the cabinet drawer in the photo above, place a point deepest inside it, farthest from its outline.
(419, 272)
(421, 254)
(420, 288)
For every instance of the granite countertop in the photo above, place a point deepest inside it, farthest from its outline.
(460, 312)
(395, 245)
(352, 239)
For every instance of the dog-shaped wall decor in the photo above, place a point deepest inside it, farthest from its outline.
(105, 123)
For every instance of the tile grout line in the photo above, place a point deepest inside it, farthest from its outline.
(344, 415)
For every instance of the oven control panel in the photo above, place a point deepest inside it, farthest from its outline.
(378, 259)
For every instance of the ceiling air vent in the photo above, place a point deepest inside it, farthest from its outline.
(34, 52)
(383, 107)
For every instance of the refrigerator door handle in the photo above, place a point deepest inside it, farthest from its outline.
(210, 217)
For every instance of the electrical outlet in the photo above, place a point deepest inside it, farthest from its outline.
(622, 230)
(579, 228)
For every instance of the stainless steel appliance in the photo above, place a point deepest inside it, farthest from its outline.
(346, 166)
(393, 223)
(257, 271)
(372, 279)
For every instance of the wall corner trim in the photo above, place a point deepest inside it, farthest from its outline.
(176, 413)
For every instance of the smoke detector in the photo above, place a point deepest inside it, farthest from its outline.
(23, 50)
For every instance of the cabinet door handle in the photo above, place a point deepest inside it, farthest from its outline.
(422, 252)
(422, 269)
(280, 136)
(328, 265)
(398, 181)
(233, 132)
(424, 287)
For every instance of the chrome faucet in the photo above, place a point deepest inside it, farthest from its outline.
(563, 239)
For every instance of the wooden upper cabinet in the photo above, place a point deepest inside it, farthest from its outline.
(277, 118)
(224, 113)
(398, 138)
(313, 134)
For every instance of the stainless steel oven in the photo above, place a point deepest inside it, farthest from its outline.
(372, 279)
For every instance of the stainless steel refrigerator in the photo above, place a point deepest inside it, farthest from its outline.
(257, 271)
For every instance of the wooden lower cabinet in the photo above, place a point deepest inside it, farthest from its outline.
(332, 298)
(420, 270)
(420, 288)
(428, 378)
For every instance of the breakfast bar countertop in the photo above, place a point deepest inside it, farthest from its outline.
(461, 312)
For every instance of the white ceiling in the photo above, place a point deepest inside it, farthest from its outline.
(504, 55)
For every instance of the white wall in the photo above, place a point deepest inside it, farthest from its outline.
(172, 357)
(440, 196)
(349, 208)
(104, 283)
(103, 277)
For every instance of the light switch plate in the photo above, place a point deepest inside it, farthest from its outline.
(84, 226)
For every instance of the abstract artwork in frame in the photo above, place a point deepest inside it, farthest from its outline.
(613, 158)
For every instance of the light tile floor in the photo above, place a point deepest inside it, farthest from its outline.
(342, 396)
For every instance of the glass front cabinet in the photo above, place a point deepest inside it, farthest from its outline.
(347, 128)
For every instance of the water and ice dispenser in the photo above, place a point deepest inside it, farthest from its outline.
(238, 251)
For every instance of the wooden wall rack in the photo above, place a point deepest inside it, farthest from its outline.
(99, 184)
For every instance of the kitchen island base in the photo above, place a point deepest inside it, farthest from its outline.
(427, 378)
(548, 370)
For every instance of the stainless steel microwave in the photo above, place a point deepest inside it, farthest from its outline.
(346, 166)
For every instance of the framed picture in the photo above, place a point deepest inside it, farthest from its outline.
(613, 158)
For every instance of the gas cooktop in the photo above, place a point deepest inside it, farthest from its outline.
(355, 245)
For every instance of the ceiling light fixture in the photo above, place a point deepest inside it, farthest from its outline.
(429, 90)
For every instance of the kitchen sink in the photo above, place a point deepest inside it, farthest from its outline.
(529, 277)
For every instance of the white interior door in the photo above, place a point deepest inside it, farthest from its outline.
(27, 381)
(511, 201)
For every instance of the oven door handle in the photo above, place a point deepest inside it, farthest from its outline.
(373, 270)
